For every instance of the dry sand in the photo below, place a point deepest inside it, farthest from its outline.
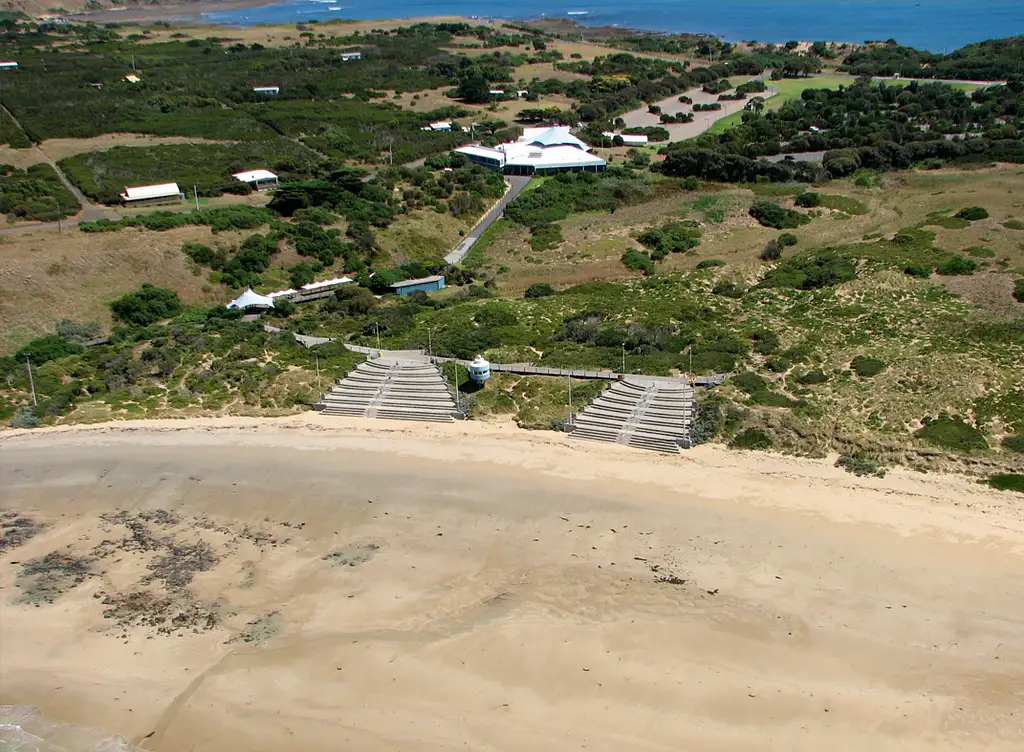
(492, 589)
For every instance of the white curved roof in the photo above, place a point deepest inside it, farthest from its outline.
(555, 135)
(249, 299)
(253, 175)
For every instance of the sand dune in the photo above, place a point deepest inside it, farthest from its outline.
(322, 584)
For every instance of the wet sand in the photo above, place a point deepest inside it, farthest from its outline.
(492, 589)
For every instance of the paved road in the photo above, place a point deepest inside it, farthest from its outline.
(516, 185)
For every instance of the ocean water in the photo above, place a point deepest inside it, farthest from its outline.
(935, 25)
(25, 729)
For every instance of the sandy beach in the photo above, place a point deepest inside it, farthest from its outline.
(319, 584)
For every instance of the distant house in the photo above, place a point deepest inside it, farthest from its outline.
(150, 194)
(522, 93)
(260, 180)
(443, 125)
(267, 89)
(346, 56)
(426, 284)
(9, 65)
(497, 92)
(96, 85)
(132, 78)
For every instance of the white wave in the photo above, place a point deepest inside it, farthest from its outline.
(24, 729)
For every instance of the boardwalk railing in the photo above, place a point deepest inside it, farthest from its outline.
(525, 369)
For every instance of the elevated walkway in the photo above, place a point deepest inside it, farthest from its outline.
(642, 413)
(391, 389)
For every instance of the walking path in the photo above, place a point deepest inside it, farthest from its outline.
(516, 185)
(702, 121)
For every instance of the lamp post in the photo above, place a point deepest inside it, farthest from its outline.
(623, 358)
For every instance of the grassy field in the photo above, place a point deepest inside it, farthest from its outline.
(786, 90)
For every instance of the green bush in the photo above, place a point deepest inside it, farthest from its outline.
(545, 237)
(638, 261)
(146, 306)
(674, 237)
(979, 251)
(772, 251)
(814, 376)
(710, 263)
(770, 214)
(808, 200)
(957, 266)
(810, 272)
(866, 367)
(751, 438)
(24, 417)
(952, 433)
(787, 239)
(972, 213)
(1007, 482)
(46, 348)
(1014, 224)
(728, 289)
(539, 290)
(1018, 290)
(860, 465)
(1014, 443)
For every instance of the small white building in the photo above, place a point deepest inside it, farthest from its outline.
(441, 125)
(8, 65)
(260, 180)
(144, 194)
(271, 90)
(250, 299)
(346, 56)
(628, 139)
(132, 78)
(497, 92)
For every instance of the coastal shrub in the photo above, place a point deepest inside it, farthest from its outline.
(708, 422)
(921, 271)
(728, 289)
(957, 266)
(24, 417)
(866, 367)
(860, 465)
(972, 213)
(808, 200)
(772, 251)
(710, 263)
(765, 341)
(770, 214)
(814, 376)
(1018, 290)
(146, 305)
(951, 432)
(638, 261)
(673, 237)
(1007, 482)
(1014, 443)
(810, 272)
(751, 438)
(539, 290)
(1014, 224)
(979, 251)
(690, 183)
(546, 237)
(46, 348)
(787, 239)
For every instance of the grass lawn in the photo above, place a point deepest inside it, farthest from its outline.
(787, 89)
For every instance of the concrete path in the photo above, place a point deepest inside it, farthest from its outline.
(516, 185)
(702, 121)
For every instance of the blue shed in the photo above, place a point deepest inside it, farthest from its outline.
(426, 284)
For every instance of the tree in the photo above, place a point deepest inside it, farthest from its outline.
(755, 105)
(474, 89)
(146, 306)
